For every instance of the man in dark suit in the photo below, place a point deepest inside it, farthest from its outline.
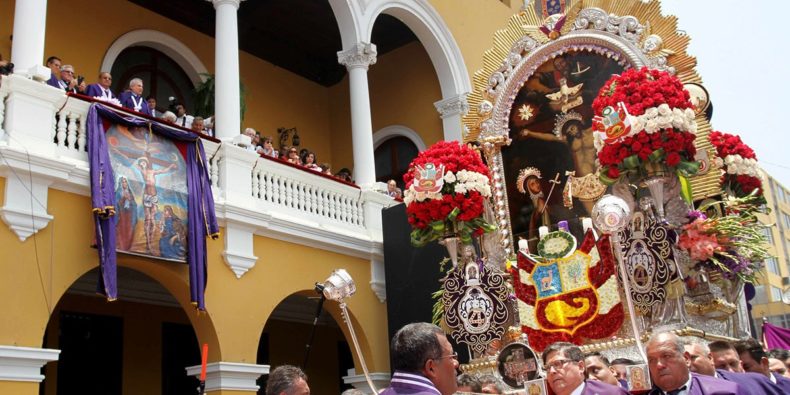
(565, 372)
(669, 371)
(700, 361)
(754, 359)
(54, 62)
(101, 90)
(133, 98)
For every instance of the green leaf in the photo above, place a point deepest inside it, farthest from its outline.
(688, 168)
(606, 180)
(631, 162)
(656, 156)
(685, 188)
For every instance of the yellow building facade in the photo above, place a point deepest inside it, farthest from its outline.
(767, 303)
(262, 270)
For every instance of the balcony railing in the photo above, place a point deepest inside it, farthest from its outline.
(48, 126)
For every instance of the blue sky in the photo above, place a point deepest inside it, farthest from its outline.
(742, 56)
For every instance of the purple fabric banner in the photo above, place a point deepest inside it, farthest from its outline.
(776, 337)
(202, 221)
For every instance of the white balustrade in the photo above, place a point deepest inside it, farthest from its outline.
(279, 192)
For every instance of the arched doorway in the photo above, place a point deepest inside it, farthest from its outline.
(162, 77)
(140, 343)
(393, 157)
(286, 334)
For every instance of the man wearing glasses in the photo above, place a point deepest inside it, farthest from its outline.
(423, 361)
(565, 372)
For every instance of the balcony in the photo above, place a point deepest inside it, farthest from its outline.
(43, 145)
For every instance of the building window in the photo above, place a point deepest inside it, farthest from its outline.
(769, 235)
(772, 265)
(776, 294)
(787, 220)
(393, 157)
(759, 295)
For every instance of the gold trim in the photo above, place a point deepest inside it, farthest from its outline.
(527, 23)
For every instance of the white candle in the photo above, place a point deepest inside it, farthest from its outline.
(543, 231)
(523, 245)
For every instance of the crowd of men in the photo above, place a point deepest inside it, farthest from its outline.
(424, 363)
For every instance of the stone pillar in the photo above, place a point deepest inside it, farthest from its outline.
(452, 110)
(24, 363)
(357, 59)
(27, 50)
(380, 379)
(227, 105)
(224, 377)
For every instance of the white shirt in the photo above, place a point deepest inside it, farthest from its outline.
(185, 121)
(686, 390)
(578, 390)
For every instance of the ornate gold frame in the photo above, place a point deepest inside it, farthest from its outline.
(630, 30)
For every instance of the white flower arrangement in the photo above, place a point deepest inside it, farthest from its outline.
(653, 121)
(464, 181)
(739, 166)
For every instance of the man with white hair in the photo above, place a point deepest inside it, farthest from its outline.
(133, 98)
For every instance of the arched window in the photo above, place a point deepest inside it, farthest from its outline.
(161, 75)
(393, 157)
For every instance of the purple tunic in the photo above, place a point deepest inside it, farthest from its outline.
(753, 383)
(128, 99)
(593, 387)
(707, 385)
(411, 384)
(53, 81)
(96, 90)
(782, 382)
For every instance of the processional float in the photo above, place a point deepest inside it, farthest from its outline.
(590, 201)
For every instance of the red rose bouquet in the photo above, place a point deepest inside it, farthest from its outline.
(644, 123)
(739, 164)
(446, 186)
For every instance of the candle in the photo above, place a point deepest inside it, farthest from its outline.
(543, 231)
(203, 364)
(523, 245)
(586, 224)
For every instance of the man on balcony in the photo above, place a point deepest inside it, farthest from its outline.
(53, 62)
(133, 98)
(101, 90)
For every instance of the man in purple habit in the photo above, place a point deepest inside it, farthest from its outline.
(101, 89)
(565, 372)
(700, 361)
(54, 63)
(669, 371)
(423, 361)
(755, 360)
(133, 98)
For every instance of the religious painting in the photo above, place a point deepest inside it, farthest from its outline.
(552, 156)
(517, 364)
(638, 378)
(150, 193)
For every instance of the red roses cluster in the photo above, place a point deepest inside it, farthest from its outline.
(642, 89)
(739, 162)
(657, 106)
(670, 145)
(458, 208)
(730, 144)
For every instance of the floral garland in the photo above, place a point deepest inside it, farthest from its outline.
(741, 173)
(733, 244)
(446, 186)
(644, 123)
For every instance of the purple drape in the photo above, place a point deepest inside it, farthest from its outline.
(776, 337)
(202, 221)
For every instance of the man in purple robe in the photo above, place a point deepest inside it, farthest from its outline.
(54, 62)
(101, 90)
(133, 98)
(565, 372)
(755, 360)
(423, 361)
(700, 361)
(669, 371)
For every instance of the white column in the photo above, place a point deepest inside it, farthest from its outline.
(230, 376)
(227, 106)
(380, 379)
(357, 59)
(451, 110)
(27, 50)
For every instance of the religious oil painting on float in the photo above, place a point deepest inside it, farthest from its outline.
(150, 193)
(550, 127)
